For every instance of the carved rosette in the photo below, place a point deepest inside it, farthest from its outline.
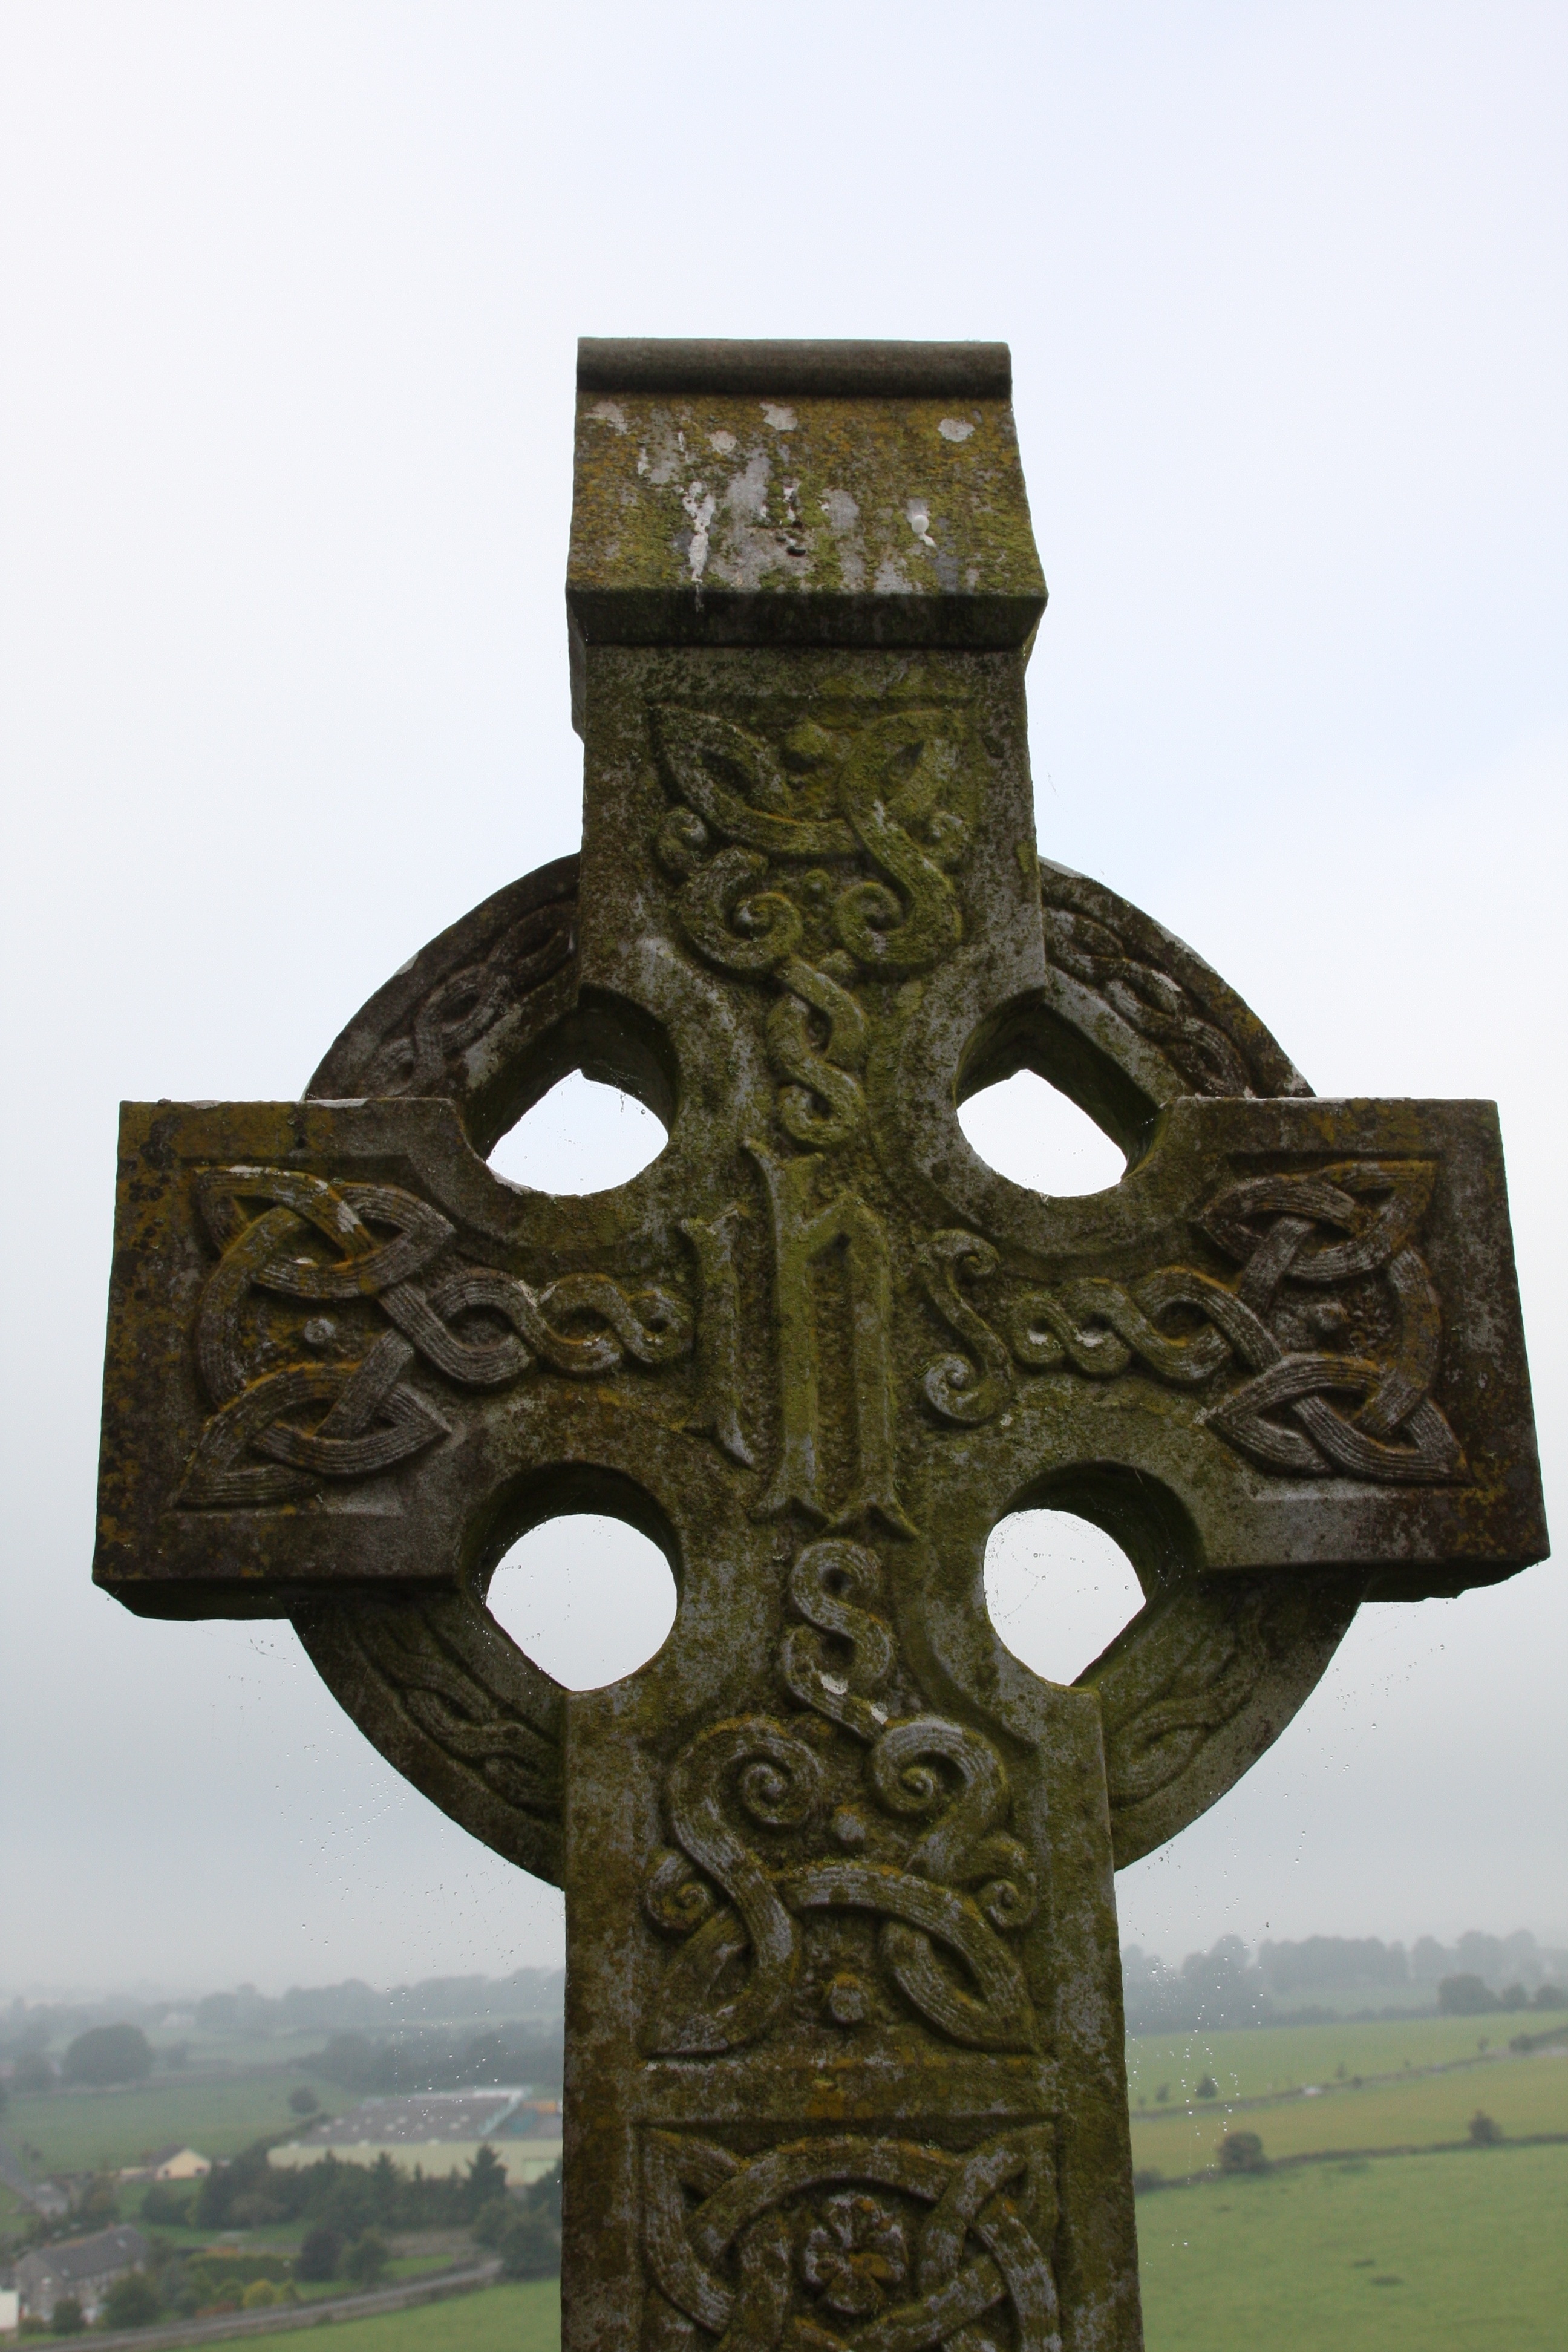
(852, 2240)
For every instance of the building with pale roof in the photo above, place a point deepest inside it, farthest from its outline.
(438, 2132)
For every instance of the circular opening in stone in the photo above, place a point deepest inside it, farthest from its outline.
(581, 1137)
(1059, 1591)
(589, 1598)
(1029, 1131)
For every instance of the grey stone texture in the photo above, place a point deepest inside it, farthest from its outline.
(844, 2019)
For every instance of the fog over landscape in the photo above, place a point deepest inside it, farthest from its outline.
(286, 397)
(453, 2032)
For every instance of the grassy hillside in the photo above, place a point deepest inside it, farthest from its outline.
(78, 2131)
(496, 2320)
(1441, 2253)
(1438, 2253)
(1525, 2095)
(1286, 2057)
(1415, 2109)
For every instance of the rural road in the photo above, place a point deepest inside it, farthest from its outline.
(279, 2317)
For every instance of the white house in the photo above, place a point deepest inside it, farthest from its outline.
(177, 2163)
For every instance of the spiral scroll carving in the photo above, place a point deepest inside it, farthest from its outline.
(941, 1946)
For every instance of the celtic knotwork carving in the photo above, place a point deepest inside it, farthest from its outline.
(1207, 1679)
(457, 1707)
(1347, 1230)
(1163, 992)
(940, 1945)
(752, 841)
(384, 1245)
(452, 1707)
(909, 2246)
(827, 1582)
(890, 783)
(467, 1006)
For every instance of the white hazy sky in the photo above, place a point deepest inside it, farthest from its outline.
(289, 301)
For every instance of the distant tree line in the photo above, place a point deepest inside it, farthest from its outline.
(436, 2059)
(1342, 1963)
(250, 2193)
(100, 2059)
(1227, 1987)
(31, 2028)
(1471, 1996)
(354, 2006)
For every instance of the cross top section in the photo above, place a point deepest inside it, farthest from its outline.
(843, 2056)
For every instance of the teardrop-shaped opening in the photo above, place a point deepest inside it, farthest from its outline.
(1059, 1591)
(588, 1598)
(1029, 1131)
(581, 1137)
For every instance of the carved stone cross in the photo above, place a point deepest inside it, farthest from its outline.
(844, 2041)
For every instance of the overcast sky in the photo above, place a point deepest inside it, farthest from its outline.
(289, 301)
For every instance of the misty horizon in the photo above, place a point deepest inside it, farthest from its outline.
(286, 433)
(471, 1987)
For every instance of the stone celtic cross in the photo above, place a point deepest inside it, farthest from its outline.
(844, 2041)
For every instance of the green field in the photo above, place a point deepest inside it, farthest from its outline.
(1443, 2253)
(1440, 2254)
(1432, 2253)
(1409, 2107)
(231, 2050)
(496, 2319)
(81, 2131)
(1527, 2096)
(1249, 2063)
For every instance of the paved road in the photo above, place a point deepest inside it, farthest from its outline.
(279, 2317)
(15, 2174)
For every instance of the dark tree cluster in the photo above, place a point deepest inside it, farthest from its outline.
(107, 2055)
(1242, 2151)
(1224, 1987)
(529, 2243)
(349, 2211)
(1468, 1995)
(341, 2202)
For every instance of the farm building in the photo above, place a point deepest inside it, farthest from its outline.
(177, 2163)
(85, 2268)
(439, 2131)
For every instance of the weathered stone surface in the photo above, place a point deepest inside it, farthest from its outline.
(844, 2017)
(814, 517)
